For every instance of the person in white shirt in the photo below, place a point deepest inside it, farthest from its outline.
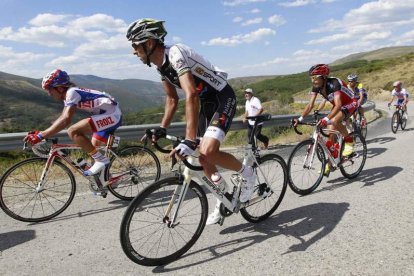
(254, 108)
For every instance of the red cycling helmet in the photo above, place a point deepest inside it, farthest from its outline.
(319, 69)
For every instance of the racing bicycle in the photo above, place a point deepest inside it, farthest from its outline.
(399, 118)
(306, 164)
(40, 188)
(167, 218)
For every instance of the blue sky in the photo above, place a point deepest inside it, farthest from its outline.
(243, 37)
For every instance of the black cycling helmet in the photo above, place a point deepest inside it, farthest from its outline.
(141, 30)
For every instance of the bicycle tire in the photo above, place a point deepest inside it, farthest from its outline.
(353, 165)
(18, 190)
(273, 175)
(144, 169)
(144, 221)
(297, 171)
(403, 121)
(395, 122)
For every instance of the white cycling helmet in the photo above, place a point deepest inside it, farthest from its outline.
(397, 83)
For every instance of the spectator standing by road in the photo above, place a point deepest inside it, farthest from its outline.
(254, 108)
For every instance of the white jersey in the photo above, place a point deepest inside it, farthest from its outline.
(92, 101)
(180, 59)
(253, 107)
(401, 94)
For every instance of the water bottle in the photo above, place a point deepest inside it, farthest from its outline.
(219, 181)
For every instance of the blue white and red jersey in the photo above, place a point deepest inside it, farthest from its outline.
(400, 94)
(89, 100)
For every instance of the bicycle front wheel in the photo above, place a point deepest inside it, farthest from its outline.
(352, 165)
(394, 122)
(133, 169)
(403, 120)
(20, 197)
(271, 184)
(306, 167)
(149, 236)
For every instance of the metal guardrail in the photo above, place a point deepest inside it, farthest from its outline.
(14, 141)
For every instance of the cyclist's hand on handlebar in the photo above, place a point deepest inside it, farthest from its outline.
(295, 122)
(185, 148)
(323, 123)
(33, 137)
(157, 133)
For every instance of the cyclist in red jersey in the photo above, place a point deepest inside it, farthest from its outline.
(339, 95)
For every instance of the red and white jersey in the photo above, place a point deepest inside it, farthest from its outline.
(92, 101)
(334, 87)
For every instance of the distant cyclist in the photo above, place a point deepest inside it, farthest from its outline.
(360, 94)
(340, 96)
(401, 95)
(210, 102)
(106, 117)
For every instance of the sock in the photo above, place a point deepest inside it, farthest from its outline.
(99, 157)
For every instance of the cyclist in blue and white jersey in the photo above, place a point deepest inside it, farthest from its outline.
(106, 117)
(210, 102)
(401, 95)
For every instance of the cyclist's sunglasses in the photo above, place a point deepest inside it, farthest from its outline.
(315, 77)
(135, 45)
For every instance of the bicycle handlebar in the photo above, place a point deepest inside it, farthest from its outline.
(176, 140)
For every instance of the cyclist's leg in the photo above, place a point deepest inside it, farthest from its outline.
(346, 112)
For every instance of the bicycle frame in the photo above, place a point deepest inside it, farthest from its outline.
(56, 151)
(233, 204)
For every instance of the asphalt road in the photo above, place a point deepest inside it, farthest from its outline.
(359, 227)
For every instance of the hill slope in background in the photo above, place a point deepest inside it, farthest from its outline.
(383, 53)
(24, 105)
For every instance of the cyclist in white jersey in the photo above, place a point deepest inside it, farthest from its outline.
(401, 95)
(210, 102)
(106, 117)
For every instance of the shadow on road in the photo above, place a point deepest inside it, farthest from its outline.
(11, 239)
(381, 140)
(369, 177)
(307, 224)
(118, 204)
(372, 152)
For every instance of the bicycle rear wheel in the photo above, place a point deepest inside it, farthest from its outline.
(352, 165)
(131, 171)
(271, 178)
(18, 195)
(147, 235)
(394, 122)
(305, 170)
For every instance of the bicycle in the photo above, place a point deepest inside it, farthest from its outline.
(359, 123)
(399, 118)
(167, 218)
(306, 164)
(40, 188)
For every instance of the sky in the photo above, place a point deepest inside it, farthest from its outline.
(242, 37)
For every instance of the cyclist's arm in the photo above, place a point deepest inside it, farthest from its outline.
(337, 106)
(310, 105)
(321, 105)
(392, 99)
(171, 103)
(61, 123)
(192, 104)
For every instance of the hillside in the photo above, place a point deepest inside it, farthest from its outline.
(384, 53)
(24, 105)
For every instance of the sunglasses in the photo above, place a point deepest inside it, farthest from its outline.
(315, 77)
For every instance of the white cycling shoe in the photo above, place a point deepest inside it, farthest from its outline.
(247, 188)
(95, 169)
